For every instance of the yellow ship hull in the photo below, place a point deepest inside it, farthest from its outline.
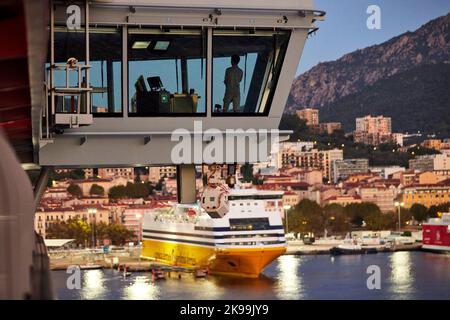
(242, 262)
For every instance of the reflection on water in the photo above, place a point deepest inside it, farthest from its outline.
(405, 275)
(93, 284)
(142, 289)
(289, 281)
(401, 273)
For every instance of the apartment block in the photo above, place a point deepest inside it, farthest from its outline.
(310, 115)
(347, 167)
(430, 162)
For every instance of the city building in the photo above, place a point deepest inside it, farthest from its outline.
(384, 197)
(310, 176)
(329, 127)
(55, 193)
(430, 162)
(398, 138)
(387, 171)
(347, 167)
(427, 195)
(433, 177)
(106, 184)
(378, 124)
(156, 173)
(291, 198)
(342, 200)
(372, 130)
(280, 151)
(45, 216)
(317, 159)
(432, 144)
(310, 115)
(109, 173)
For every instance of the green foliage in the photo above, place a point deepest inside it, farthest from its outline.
(416, 99)
(379, 221)
(306, 216)
(81, 231)
(247, 172)
(96, 190)
(75, 174)
(131, 190)
(75, 190)
(383, 155)
(419, 212)
(358, 212)
(119, 234)
(336, 220)
(117, 192)
(76, 229)
(159, 185)
(433, 210)
(294, 123)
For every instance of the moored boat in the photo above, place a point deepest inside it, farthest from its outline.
(436, 234)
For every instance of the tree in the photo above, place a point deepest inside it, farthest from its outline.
(137, 190)
(117, 192)
(159, 185)
(405, 215)
(76, 229)
(96, 190)
(336, 220)
(379, 221)
(77, 174)
(247, 172)
(119, 234)
(75, 190)
(419, 212)
(306, 216)
(434, 210)
(357, 212)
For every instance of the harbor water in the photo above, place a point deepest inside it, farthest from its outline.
(403, 275)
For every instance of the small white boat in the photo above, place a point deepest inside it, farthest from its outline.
(90, 266)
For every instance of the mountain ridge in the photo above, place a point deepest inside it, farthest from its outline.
(330, 81)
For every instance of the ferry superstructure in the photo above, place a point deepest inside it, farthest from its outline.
(436, 234)
(242, 243)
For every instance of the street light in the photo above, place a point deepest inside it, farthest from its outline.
(399, 205)
(92, 212)
(138, 217)
(286, 208)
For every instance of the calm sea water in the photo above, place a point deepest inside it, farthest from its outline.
(404, 275)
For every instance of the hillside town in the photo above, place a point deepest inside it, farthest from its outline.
(324, 190)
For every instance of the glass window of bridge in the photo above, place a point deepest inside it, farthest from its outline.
(105, 69)
(166, 72)
(246, 67)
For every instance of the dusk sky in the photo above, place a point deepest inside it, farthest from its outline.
(344, 29)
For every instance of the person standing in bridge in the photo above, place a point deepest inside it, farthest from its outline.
(233, 77)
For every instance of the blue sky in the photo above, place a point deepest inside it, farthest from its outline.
(344, 29)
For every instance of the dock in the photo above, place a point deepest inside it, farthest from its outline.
(88, 260)
(299, 248)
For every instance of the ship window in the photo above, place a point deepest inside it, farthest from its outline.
(246, 66)
(249, 224)
(166, 72)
